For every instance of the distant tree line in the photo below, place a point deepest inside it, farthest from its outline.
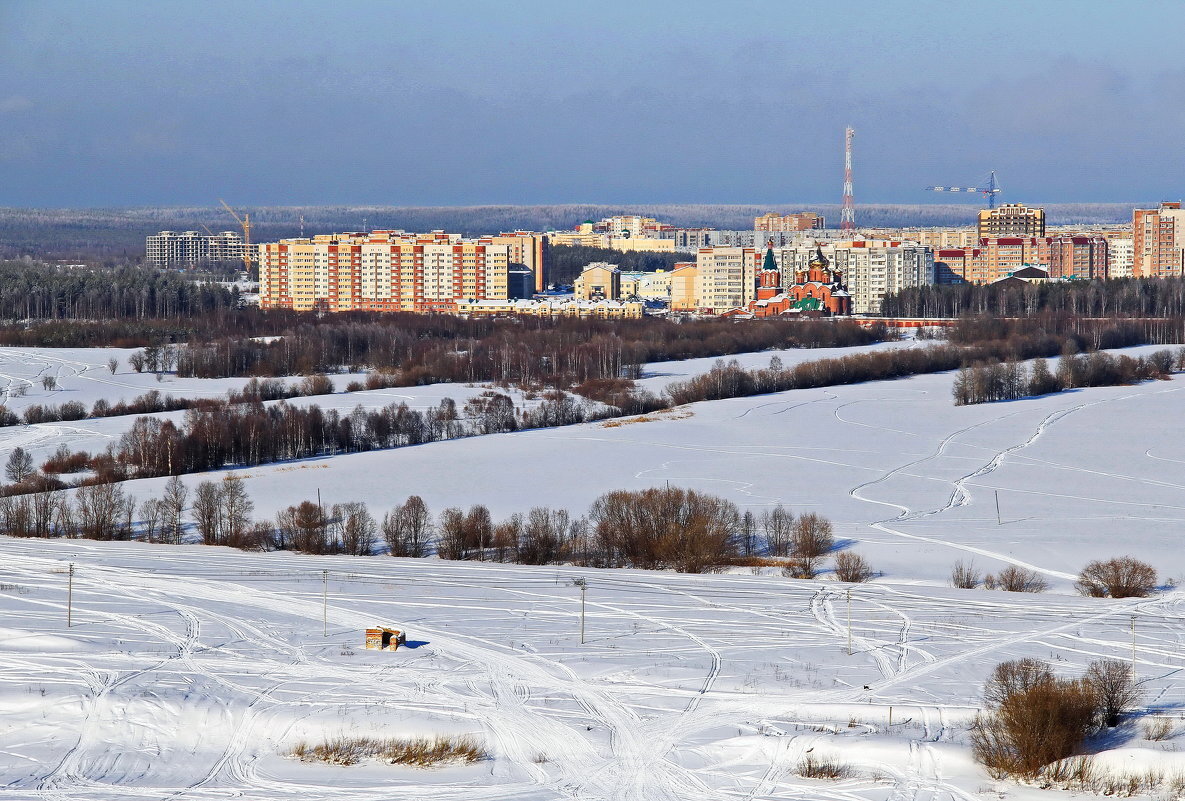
(1120, 297)
(32, 291)
(567, 261)
(654, 529)
(1012, 380)
(972, 341)
(427, 349)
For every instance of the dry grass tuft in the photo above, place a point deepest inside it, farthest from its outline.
(420, 752)
(812, 767)
(1158, 729)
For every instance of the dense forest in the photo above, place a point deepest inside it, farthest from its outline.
(1120, 297)
(568, 260)
(32, 291)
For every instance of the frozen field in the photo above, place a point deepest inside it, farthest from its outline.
(192, 670)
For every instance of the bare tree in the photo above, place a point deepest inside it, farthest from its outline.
(49, 383)
(356, 528)
(172, 507)
(100, 511)
(811, 538)
(152, 511)
(19, 465)
(235, 512)
(113, 364)
(479, 529)
(451, 542)
(408, 528)
(1114, 686)
(207, 512)
(778, 525)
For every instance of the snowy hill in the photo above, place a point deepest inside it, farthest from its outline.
(192, 671)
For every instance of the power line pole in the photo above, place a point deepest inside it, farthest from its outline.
(324, 603)
(70, 597)
(1133, 625)
(583, 585)
(999, 522)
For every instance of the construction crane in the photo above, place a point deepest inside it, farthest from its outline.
(245, 222)
(990, 191)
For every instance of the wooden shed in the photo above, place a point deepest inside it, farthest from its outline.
(383, 639)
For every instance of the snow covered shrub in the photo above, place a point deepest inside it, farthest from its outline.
(1121, 577)
(852, 567)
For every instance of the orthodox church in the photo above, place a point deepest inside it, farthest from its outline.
(817, 291)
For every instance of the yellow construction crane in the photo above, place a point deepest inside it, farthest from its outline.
(245, 222)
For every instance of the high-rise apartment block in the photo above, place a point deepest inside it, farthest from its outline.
(1011, 219)
(871, 268)
(190, 248)
(1158, 241)
(999, 257)
(381, 271)
(802, 221)
(726, 278)
(1120, 258)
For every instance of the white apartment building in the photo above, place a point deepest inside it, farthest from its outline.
(726, 279)
(1121, 256)
(871, 269)
(190, 248)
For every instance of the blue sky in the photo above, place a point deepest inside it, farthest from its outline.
(449, 103)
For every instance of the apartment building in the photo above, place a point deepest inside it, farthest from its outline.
(870, 269)
(598, 281)
(726, 279)
(1158, 241)
(1011, 219)
(801, 221)
(1120, 257)
(381, 271)
(190, 248)
(1063, 257)
(530, 250)
(599, 309)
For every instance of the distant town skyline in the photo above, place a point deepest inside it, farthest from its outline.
(299, 102)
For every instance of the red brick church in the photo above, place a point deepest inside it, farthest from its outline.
(817, 291)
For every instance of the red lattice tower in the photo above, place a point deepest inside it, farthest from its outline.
(847, 217)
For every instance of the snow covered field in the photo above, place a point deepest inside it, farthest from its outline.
(191, 670)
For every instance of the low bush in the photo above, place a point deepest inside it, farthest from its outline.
(422, 752)
(813, 767)
(1016, 579)
(964, 576)
(1121, 577)
(852, 567)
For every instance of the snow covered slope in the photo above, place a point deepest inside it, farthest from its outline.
(190, 672)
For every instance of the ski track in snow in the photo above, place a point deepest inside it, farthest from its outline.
(641, 716)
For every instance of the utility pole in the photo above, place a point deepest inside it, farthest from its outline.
(583, 585)
(324, 603)
(999, 522)
(849, 622)
(1133, 624)
(70, 599)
